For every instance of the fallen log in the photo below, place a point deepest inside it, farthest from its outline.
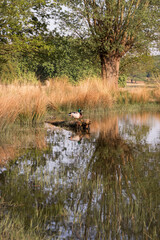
(78, 124)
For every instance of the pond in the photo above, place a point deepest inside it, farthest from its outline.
(100, 184)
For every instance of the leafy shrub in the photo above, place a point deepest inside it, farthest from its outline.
(14, 72)
(122, 81)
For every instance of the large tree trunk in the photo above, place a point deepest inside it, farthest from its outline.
(110, 70)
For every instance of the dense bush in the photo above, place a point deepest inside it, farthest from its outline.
(122, 81)
(56, 57)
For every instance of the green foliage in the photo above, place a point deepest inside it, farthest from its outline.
(28, 50)
(140, 68)
(21, 23)
(122, 81)
(61, 56)
(13, 72)
(8, 72)
(72, 59)
(112, 28)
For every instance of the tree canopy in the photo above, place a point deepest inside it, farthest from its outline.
(93, 35)
(112, 27)
(20, 22)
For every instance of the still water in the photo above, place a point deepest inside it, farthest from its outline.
(99, 184)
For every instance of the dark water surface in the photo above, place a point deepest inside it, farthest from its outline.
(101, 184)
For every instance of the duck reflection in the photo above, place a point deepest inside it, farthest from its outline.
(79, 136)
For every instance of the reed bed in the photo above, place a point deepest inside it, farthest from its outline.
(156, 94)
(24, 103)
(29, 103)
(136, 95)
(91, 92)
(12, 227)
(141, 95)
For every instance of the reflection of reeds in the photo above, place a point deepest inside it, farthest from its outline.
(112, 188)
(6, 153)
(107, 126)
(12, 227)
(143, 118)
(14, 141)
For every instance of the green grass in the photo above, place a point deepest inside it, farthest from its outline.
(13, 228)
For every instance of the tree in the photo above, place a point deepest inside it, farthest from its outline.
(20, 22)
(112, 27)
(23, 25)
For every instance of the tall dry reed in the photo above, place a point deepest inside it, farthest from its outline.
(30, 103)
(156, 94)
(91, 92)
(135, 95)
(21, 102)
(140, 95)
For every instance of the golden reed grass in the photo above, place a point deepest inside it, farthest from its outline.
(140, 95)
(134, 95)
(30, 102)
(26, 102)
(90, 92)
(156, 94)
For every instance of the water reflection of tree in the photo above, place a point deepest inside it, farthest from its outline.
(115, 197)
(125, 205)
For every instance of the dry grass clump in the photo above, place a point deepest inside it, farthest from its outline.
(91, 92)
(137, 95)
(59, 92)
(94, 92)
(24, 103)
(140, 95)
(156, 94)
(33, 103)
(29, 103)
(123, 97)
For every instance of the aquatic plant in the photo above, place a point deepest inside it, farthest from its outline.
(13, 228)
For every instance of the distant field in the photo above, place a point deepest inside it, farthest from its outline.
(140, 84)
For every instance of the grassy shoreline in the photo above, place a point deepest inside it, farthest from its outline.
(32, 103)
